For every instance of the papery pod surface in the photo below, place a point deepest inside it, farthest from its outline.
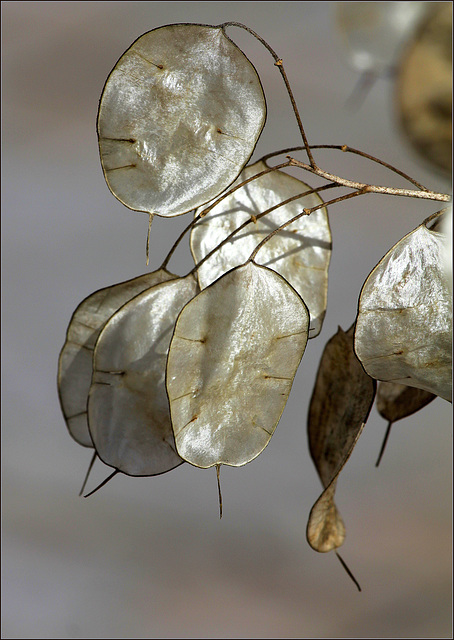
(397, 401)
(340, 404)
(404, 324)
(75, 365)
(128, 410)
(179, 117)
(233, 356)
(300, 253)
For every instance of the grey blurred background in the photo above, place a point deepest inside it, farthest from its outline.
(149, 558)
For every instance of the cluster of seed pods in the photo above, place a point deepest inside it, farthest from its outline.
(165, 369)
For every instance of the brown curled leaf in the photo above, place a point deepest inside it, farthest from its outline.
(340, 404)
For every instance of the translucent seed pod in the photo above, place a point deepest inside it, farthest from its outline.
(233, 356)
(128, 410)
(300, 253)
(75, 365)
(179, 117)
(404, 323)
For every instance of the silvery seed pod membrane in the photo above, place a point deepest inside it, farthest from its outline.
(300, 253)
(179, 117)
(232, 360)
(128, 410)
(404, 324)
(75, 365)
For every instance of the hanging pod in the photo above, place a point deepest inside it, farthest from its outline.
(404, 323)
(339, 407)
(179, 117)
(397, 401)
(75, 365)
(232, 359)
(300, 253)
(128, 411)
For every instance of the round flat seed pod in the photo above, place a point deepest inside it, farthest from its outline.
(179, 117)
(404, 324)
(233, 356)
(128, 410)
(75, 365)
(300, 253)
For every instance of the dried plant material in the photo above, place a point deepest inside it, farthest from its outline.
(404, 324)
(424, 89)
(397, 401)
(232, 360)
(300, 253)
(128, 411)
(179, 117)
(340, 404)
(75, 366)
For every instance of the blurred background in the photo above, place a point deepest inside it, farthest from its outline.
(149, 557)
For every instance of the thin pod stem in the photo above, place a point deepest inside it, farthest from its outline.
(104, 482)
(218, 471)
(383, 446)
(369, 188)
(260, 215)
(147, 250)
(178, 240)
(280, 65)
(213, 204)
(346, 149)
(242, 184)
(90, 467)
(305, 212)
(344, 564)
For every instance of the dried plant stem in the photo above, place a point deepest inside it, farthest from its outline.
(205, 211)
(346, 149)
(344, 564)
(280, 65)
(370, 188)
(383, 446)
(90, 466)
(104, 482)
(147, 250)
(264, 213)
(305, 212)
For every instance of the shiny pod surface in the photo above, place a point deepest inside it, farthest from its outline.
(128, 411)
(300, 253)
(404, 324)
(232, 360)
(75, 366)
(179, 117)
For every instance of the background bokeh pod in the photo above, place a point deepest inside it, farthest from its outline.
(148, 557)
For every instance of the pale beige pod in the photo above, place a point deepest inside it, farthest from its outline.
(75, 365)
(404, 324)
(300, 253)
(179, 117)
(128, 410)
(232, 359)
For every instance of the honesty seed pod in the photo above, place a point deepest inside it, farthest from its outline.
(300, 253)
(232, 359)
(179, 117)
(404, 324)
(128, 410)
(75, 365)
